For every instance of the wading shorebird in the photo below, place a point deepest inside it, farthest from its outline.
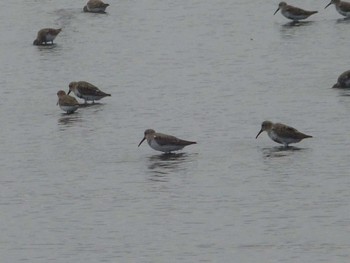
(163, 142)
(342, 7)
(95, 6)
(293, 13)
(282, 133)
(86, 91)
(46, 36)
(67, 103)
(343, 81)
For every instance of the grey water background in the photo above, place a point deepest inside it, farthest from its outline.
(76, 188)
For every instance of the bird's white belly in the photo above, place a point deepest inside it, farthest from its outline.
(69, 109)
(91, 97)
(343, 13)
(50, 37)
(87, 97)
(274, 137)
(96, 9)
(164, 148)
(282, 140)
(292, 16)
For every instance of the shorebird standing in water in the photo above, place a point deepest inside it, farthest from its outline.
(67, 103)
(342, 7)
(86, 91)
(282, 133)
(163, 142)
(95, 6)
(293, 13)
(343, 81)
(46, 36)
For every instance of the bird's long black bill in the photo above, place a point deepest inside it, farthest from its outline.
(328, 5)
(276, 11)
(258, 134)
(144, 138)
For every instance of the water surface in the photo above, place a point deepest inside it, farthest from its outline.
(76, 188)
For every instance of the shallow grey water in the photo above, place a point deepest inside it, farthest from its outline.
(75, 188)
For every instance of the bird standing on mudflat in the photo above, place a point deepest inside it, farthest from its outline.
(163, 142)
(293, 13)
(282, 133)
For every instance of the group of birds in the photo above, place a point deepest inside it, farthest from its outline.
(281, 133)
(81, 89)
(296, 13)
(46, 36)
(278, 132)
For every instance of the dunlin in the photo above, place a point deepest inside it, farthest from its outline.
(282, 133)
(343, 81)
(163, 142)
(86, 91)
(67, 103)
(95, 6)
(46, 36)
(342, 7)
(293, 13)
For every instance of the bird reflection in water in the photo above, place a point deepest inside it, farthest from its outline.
(344, 92)
(167, 163)
(345, 20)
(68, 120)
(291, 29)
(297, 23)
(92, 107)
(88, 105)
(279, 151)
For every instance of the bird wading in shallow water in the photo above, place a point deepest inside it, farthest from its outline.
(86, 91)
(67, 103)
(343, 81)
(95, 6)
(342, 7)
(282, 133)
(293, 13)
(163, 142)
(46, 36)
